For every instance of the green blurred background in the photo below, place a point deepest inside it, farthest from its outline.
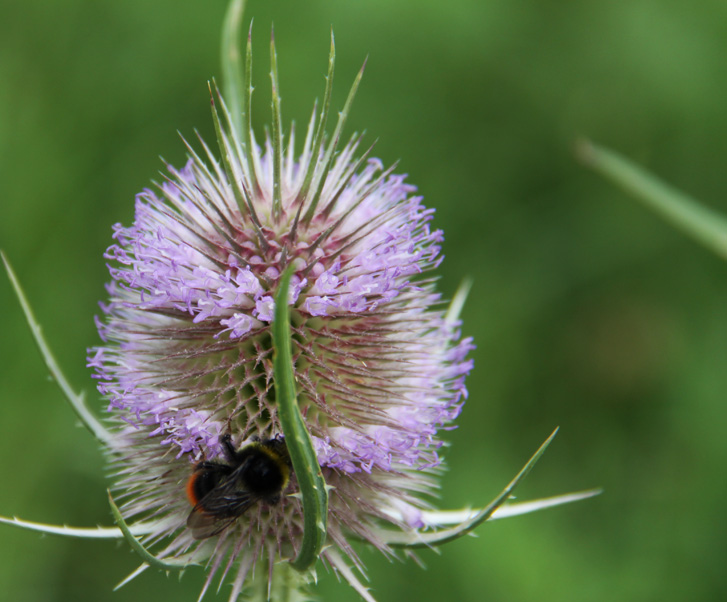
(588, 312)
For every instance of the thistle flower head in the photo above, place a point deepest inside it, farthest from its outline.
(187, 359)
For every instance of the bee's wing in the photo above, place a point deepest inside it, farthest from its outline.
(217, 511)
(206, 525)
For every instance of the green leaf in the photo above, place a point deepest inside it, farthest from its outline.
(148, 557)
(418, 539)
(233, 80)
(77, 400)
(300, 447)
(701, 223)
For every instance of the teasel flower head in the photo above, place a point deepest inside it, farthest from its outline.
(188, 348)
(273, 312)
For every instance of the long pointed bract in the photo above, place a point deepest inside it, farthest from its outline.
(340, 565)
(320, 177)
(320, 130)
(77, 400)
(148, 557)
(443, 518)
(81, 532)
(418, 539)
(458, 301)
(277, 132)
(250, 137)
(300, 447)
(228, 153)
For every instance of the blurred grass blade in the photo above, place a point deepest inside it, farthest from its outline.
(696, 220)
(300, 447)
(77, 401)
(417, 539)
(148, 557)
(233, 74)
(82, 532)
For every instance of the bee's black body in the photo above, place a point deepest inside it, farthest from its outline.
(222, 492)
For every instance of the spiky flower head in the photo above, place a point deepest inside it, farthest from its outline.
(277, 363)
(188, 348)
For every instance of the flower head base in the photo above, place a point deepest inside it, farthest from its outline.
(188, 354)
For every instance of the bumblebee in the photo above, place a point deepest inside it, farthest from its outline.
(221, 492)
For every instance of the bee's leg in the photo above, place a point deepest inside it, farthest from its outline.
(272, 499)
(205, 465)
(228, 447)
(229, 424)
